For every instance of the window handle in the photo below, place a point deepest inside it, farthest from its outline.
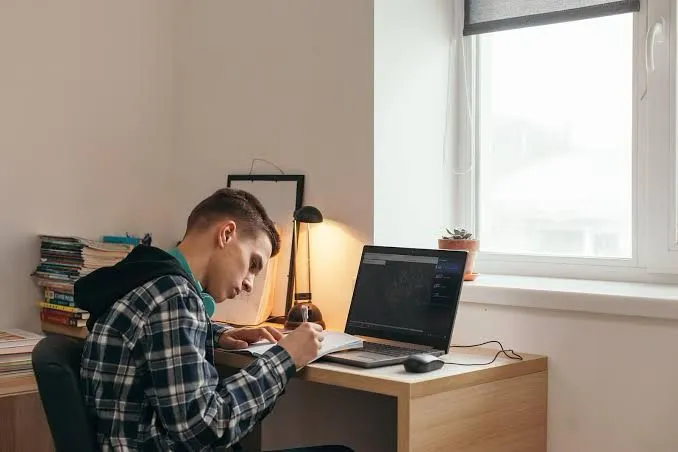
(655, 35)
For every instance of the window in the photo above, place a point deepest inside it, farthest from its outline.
(555, 142)
(570, 126)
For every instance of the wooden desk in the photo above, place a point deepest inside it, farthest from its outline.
(23, 425)
(499, 407)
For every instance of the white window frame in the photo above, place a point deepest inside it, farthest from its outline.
(655, 224)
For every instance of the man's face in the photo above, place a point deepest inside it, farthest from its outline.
(237, 259)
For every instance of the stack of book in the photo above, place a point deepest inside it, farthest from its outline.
(15, 351)
(63, 260)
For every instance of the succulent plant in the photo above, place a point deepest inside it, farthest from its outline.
(458, 234)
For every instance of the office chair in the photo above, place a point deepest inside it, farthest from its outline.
(56, 364)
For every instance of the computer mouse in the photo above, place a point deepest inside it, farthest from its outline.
(423, 363)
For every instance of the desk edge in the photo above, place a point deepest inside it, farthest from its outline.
(384, 386)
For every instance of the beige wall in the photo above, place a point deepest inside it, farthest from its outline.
(290, 82)
(86, 96)
(120, 116)
(97, 92)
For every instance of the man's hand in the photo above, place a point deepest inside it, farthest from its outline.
(303, 343)
(238, 338)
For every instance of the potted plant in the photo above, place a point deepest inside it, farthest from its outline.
(461, 239)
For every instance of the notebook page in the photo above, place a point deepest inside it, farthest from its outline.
(334, 341)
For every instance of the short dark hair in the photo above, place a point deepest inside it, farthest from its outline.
(239, 205)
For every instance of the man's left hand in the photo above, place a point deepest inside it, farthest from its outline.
(238, 338)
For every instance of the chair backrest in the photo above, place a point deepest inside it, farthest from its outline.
(56, 364)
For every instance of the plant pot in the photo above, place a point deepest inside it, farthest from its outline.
(471, 246)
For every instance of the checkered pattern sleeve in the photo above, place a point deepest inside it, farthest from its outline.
(196, 408)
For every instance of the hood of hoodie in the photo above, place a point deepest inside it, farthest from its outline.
(99, 290)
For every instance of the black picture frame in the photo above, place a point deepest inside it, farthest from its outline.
(299, 180)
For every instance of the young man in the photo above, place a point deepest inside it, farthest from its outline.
(148, 373)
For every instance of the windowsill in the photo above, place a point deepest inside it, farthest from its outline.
(598, 297)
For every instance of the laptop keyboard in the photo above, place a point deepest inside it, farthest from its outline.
(388, 350)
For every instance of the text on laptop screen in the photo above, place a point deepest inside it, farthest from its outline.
(407, 297)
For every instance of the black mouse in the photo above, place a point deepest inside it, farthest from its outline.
(423, 363)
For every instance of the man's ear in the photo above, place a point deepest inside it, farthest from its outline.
(226, 233)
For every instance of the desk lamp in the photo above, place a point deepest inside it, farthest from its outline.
(303, 308)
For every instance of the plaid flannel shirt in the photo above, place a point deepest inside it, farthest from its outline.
(149, 379)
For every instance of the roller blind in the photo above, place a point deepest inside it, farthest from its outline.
(484, 16)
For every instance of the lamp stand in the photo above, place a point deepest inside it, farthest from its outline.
(302, 300)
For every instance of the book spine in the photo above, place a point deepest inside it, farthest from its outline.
(70, 315)
(47, 316)
(57, 307)
(70, 304)
(64, 299)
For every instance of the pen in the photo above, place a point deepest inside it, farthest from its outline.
(304, 313)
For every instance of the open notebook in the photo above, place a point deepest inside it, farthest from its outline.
(334, 342)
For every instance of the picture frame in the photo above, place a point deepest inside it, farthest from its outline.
(281, 195)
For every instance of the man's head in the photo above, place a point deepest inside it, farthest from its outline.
(241, 238)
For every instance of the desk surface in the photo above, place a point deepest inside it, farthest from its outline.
(395, 381)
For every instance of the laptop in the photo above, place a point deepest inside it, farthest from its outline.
(404, 302)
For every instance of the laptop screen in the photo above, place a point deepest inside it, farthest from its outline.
(407, 295)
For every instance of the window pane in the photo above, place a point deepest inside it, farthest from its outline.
(555, 139)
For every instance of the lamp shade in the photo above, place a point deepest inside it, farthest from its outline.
(308, 214)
